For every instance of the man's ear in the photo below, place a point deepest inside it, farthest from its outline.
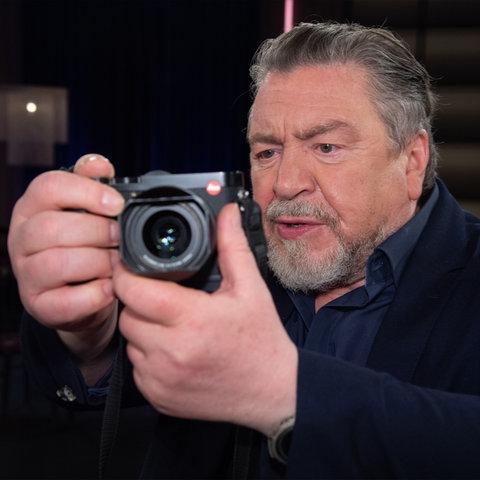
(418, 155)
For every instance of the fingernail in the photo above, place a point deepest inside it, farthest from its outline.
(91, 157)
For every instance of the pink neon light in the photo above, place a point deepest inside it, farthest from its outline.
(288, 15)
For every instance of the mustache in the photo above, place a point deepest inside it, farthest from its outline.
(291, 208)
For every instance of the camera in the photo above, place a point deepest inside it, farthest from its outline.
(168, 225)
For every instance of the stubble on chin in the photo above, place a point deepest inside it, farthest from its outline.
(299, 269)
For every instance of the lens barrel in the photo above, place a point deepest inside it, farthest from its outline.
(166, 239)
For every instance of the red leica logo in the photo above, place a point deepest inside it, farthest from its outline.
(213, 187)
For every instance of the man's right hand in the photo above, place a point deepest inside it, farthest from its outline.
(62, 241)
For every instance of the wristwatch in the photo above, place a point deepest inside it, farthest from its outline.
(279, 441)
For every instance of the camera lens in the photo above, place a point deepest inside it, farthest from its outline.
(167, 235)
(166, 238)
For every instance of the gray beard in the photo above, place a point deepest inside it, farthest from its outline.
(292, 262)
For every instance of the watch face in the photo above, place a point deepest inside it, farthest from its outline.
(279, 442)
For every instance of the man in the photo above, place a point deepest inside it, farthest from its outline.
(354, 358)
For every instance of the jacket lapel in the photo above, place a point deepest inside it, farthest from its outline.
(431, 273)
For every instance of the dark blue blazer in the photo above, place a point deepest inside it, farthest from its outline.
(414, 412)
(355, 423)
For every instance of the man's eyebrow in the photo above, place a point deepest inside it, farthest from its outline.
(264, 138)
(322, 129)
(305, 134)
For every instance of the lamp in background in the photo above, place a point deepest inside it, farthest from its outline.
(33, 120)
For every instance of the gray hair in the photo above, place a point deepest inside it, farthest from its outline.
(400, 87)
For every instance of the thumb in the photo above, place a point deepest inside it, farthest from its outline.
(235, 259)
(94, 165)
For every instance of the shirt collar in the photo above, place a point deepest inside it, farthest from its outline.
(398, 247)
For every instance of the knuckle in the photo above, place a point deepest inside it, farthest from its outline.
(46, 185)
(45, 224)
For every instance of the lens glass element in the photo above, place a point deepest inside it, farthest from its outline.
(167, 234)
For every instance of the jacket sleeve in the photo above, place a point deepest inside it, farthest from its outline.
(53, 370)
(353, 422)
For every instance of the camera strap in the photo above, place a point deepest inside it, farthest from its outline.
(252, 225)
(111, 413)
(241, 452)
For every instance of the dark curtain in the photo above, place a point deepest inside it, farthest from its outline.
(153, 84)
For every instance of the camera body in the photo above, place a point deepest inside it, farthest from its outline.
(168, 225)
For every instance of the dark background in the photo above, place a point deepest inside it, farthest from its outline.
(163, 84)
(152, 83)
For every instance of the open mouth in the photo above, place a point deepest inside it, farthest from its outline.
(293, 222)
(294, 225)
(290, 229)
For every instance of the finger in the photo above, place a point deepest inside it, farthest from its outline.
(167, 301)
(73, 307)
(64, 229)
(141, 333)
(59, 190)
(60, 266)
(94, 165)
(235, 258)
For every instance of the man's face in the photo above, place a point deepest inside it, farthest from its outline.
(325, 177)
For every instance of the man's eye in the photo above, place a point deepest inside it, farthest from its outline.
(266, 154)
(326, 147)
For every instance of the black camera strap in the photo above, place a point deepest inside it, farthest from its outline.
(111, 413)
(252, 226)
(241, 453)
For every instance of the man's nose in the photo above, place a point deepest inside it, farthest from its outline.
(294, 176)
